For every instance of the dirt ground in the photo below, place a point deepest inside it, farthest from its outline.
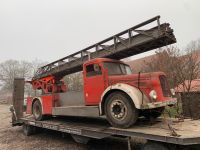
(12, 138)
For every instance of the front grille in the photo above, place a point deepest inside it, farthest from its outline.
(164, 86)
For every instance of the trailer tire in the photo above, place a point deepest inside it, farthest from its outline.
(28, 130)
(37, 110)
(80, 139)
(155, 146)
(120, 110)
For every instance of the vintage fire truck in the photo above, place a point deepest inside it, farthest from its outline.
(110, 88)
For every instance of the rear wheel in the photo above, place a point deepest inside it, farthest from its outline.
(37, 110)
(120, 110)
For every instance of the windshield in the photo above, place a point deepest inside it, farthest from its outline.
(117, 68)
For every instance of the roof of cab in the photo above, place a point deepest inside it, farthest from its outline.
(99, 60)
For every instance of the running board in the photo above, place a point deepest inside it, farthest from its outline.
(81, 111)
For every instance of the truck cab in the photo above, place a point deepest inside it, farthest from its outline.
(102, 75)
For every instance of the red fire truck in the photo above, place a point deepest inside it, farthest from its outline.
(110, 88)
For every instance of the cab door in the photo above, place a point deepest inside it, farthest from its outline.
(93, 84)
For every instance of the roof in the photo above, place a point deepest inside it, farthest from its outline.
(195, 86)
(99, 60)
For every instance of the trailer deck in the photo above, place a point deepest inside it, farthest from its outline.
(188, 131)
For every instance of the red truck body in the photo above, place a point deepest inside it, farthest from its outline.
(95, 85)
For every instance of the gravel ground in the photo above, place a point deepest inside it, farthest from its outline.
(12, 138)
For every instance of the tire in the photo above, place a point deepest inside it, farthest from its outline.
(80, 139)
(153, 113)
(28, 130)
(37, 110)
(120, 110)
(155, 146)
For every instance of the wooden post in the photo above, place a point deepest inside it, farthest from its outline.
(17, 100)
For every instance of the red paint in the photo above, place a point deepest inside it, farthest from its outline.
(49, 84)
(29, 105)
(47, 101)
(93, 87)
(148, 82)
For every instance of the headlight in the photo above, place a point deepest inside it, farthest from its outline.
(153, 94)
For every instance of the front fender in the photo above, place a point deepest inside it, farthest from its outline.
(134, 93)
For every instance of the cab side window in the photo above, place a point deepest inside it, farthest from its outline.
(93, 70)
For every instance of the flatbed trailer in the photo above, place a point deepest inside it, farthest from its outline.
(166, 134)
(187, 131)
(180, 134)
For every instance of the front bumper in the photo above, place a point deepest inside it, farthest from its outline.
(159, 104)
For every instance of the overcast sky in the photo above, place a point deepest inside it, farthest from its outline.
(51, 29)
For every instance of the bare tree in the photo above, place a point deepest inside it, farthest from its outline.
(181, 68)
(193, 45)
(166, 60)
(178, 67)
(35, 64)
(11, 69)
(189, 69)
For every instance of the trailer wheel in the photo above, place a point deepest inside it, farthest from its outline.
(120, 111)
(80, 139)
(37, 110)
(154, 113)
(155, 146)
(28, 130)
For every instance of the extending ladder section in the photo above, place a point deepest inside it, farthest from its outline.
(122, 45)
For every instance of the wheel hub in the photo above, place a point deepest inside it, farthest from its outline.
(118, 109)
(37, 111)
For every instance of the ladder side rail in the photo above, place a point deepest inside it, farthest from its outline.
(150, 35)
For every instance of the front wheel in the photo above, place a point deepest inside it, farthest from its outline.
(120, 110)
